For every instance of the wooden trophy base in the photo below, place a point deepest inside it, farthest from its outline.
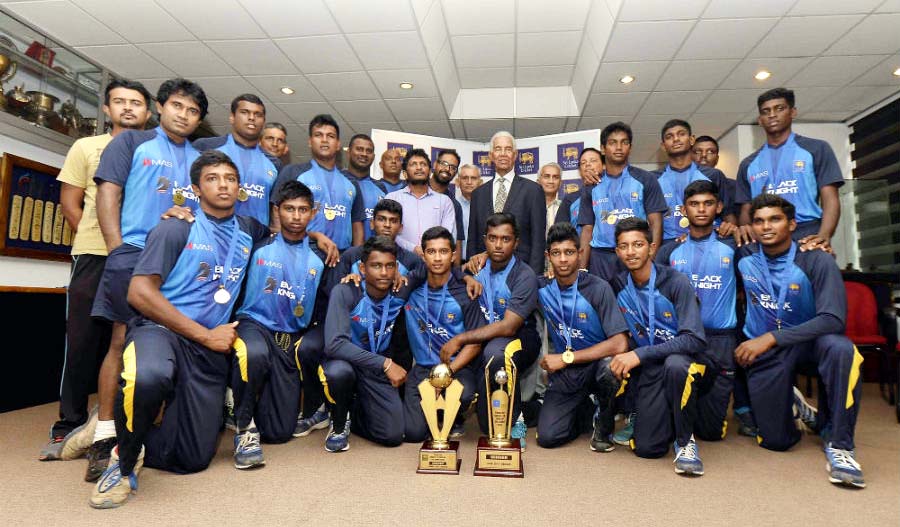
(439, 460)
(499, 461)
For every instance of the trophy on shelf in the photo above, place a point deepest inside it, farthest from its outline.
(440, 391)
(8, 68)
(499, 454)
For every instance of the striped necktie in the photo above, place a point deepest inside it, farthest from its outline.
(500, 202)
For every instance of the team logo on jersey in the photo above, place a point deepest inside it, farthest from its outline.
(799, 166)
(203, 272)
(270, 284)
(794, 288)
(245, 250)
(355, 318)
(270, 173)
(634, 196)
(582, 316)
(726, 260)
(667, 314)
(313, 272)
(451, 317)
(162, 184)
(501, 301)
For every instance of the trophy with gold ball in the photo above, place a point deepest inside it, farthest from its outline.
(499, 454)
(440, 391)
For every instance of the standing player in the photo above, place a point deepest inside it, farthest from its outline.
(796, 309)
(668, 365)
(586, 330)
(185, 285)
(391, 166)
(361, 155)
(127, 105)
(624, 191)
(141, 175)
(802, 170)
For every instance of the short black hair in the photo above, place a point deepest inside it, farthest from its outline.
(249, 97)
(185, 87)
(211, 158)
(701, 186)
(294, 189)
(617, 126)
(634, 224)
(382, 244)
(415, 152)
(324, 119)
(672, 123)
(562, 232)
(275, 125)
(707, 139)
(388, 205)
(452, 152)
(776, 93)
(502, 218)
(591, 149)
(765, 200)
(360, 136)
(128, 85)
(435, 233)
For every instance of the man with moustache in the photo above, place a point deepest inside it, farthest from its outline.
(467, 180)
(590, 165)
(444, 170)
(362, 153)
(274, 144)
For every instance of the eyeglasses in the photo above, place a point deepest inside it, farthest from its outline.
(447, 165)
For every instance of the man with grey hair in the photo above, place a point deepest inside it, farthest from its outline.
(274, 143)
(467, 180)
(550, 179)
(513, 194)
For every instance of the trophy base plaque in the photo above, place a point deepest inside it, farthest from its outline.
(439, 460)
(499, 461)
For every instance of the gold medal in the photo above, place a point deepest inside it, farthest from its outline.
(178, 197)
(330, 213)
(242, 194)
(298, 310)
(611, 219)
(683, 222)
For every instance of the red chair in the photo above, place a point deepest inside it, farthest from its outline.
(863, 330)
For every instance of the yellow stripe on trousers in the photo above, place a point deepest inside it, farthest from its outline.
(854, 377)
(511, 349)
(129, 373)
(692, 370)
(240, 351)
(325, 385)
(297, 357)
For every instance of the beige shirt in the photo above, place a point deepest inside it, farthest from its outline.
(78, 170)
(551, 213)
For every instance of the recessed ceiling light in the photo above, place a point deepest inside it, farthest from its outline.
(762, 75)
(897, 72)
(287, 90)
(627, 79)
(406, 85)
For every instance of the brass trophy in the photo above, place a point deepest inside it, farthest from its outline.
(438, 455)
(499, 454)
(8, 68)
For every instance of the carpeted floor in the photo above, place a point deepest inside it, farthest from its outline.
(370, 485)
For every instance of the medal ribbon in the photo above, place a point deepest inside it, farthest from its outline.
(437, 316)
(300, 263)
(557, 295)
(650, 325)
(490, 290)
(375, 345)
(235, 231)
(770, 285)
(326, 177)
(178, 154)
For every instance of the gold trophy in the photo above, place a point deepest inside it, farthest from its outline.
(438, 455)
(499, 454)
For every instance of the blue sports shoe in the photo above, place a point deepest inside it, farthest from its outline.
(843, 468)
(687, 459)
(519, 431)
(623, 436)
(247, 450)
(338, 441)
(804, 414)
(318, 420)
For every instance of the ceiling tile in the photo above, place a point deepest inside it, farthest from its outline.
(824, 117)
(855, 98)
(303, 112)
(804, 35)
(600, 121)
(646, 74)
(536, 127)
(253, 57)
(757, 8)
(366, 128)
(476, 17)
(363, 111)
(379, 51)
(445, 76)
(223, 89)
(889, 6)
(781, 70)
(344, 86)
(151, 84)
(614, 103)
(484, 51)
(127, 61)
(433, 128)
(730, 101)
(881, 74)
(66, 22)
(306, 54)
(646, 40)
(544, 75)
(457, 126)
(650, 125)
(806, 98)
(585, 71)
(486, 77)
(598, 28)
(388, 83)
(153, 25)
(713, 124)
(661, 10)
(533, 15)
(417, 109)
(645, 148)
(695, 74)
(372, 15)
(217, 115)
(274, 113)
(674, 102)
(434, 31)
(189, 59)
(477, 129)
(421, 8)
(270, 86)
(834, 71)
(547, 49)
(832, 7)
(280, 18)
(724, 39)
(213, 19)
(875, 34)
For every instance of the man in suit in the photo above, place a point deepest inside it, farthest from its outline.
(513, 194)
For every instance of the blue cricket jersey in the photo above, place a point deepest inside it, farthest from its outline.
(586, 311)
(569, 210)
(358, 329)
(372, 191)
(514, 287)
(673, 182)
(390, 187)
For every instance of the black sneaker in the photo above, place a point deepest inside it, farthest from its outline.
(98, 458)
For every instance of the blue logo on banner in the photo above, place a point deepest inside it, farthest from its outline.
(528, 161)
(402, 147)
(567, 155)
(483, 161)
(435, 150)
(569, 186)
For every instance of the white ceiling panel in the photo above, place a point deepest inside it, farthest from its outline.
(302, 112)
(483, 129)
(547, 49)
(833, 7)
(274, 113)
(487, 77)
(388, 83)
(363, 111)
(292, 19)
(417, 109)
(445, 75)
(306, 53)
(421, 8)
(598, 28)
(713, 123)
(804, 35)
(781, 70)
(269, 86)
(889, 6)
(223, 89)
(189, 59)
(213, 19)
(67, 22)
(389, 50)
(543, 75)
(650, 125)
(344, 86)
(372, 15)
(600, 121)
(614, 103)
(646, 40)
(642, 10)
(807, 98)
(457, 126)
(674, 102)
(730, 101)
(695, 74)
(737, 9)
(366, 128)
(484, 51)
(152, 85)
(875, 34)
(533, 15)
(724, 39)
(435, 128)
(152, 25)
(434, 31)
(834, 71)
(881, 74)
(535, 127)
(645, 148)
(217, 115)
(253, 57)
(854, 98)
(127, 60)
(824, 117)
(477, 17)
(646, 75)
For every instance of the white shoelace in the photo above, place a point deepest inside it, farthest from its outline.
(249, 441)
(842, 457)
(688, 451)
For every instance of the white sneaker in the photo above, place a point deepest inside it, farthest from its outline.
(112, 489)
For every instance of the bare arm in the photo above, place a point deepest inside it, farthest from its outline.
(614, 345)
(359, 234)
(656, 226)
(72, 200)
(502, 328)
(274, 220)
(831, 210)
(465, 356)
(109, 213)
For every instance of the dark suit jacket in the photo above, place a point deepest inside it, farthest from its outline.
(525, 202)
